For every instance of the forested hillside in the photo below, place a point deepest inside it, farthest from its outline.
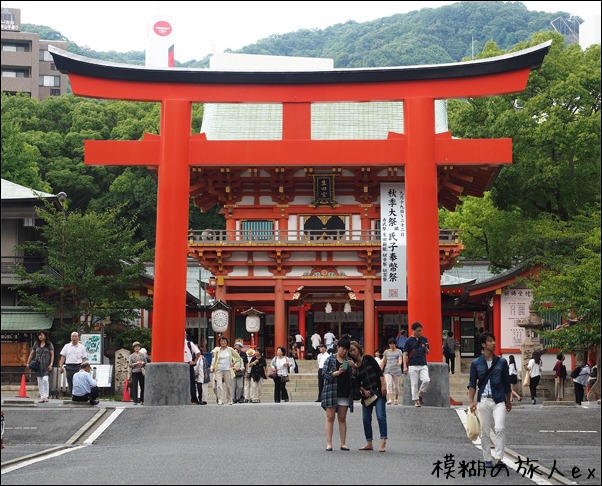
(427, 36)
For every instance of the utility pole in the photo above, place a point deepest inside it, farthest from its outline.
(62, 197)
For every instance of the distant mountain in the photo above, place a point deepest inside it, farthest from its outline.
(427, 36)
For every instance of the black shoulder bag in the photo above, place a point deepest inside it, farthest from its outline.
(483, 381)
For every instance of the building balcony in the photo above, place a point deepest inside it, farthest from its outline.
(9, 276)
(233, 238)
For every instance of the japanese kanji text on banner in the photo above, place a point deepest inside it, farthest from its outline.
(393, 241)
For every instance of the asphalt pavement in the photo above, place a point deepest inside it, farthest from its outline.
(119, 443)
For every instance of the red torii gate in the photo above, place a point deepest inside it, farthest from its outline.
(419, 149)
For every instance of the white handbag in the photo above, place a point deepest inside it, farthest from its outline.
(473, 426)
(370, 400)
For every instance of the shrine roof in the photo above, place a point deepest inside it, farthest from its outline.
(530, 58)
(12, 191)
(500, 280)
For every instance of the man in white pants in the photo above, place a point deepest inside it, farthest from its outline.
(414, 363)
(490, 375)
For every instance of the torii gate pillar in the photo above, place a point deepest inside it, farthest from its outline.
(424, 291)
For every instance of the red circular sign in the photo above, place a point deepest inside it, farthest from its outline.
(162, 28)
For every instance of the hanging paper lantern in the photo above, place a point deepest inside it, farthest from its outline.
(328, 308)
(252, 323)
(219, 320)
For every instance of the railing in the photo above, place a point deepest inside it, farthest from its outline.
(300, 237)
(31, 264)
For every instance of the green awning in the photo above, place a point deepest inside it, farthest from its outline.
(23, 319)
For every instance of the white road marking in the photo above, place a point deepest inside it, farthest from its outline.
(39, 459)
(104, 426)
(569, 431)
(87, 442)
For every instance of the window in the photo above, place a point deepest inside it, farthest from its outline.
(45, 55)
(8, 47)
(15, 73)
(258, 230)
(50, 81)
(55, 92)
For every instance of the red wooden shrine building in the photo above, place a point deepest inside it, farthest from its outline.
(304, 224)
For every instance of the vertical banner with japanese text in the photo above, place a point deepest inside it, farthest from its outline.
(393, 241)
(514, 305)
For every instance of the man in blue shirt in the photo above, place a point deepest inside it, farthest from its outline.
(414, 362)
(490, 375)
(84, 386)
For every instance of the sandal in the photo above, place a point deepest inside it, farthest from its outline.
(389, 402)
(417, 404)
(396, 402)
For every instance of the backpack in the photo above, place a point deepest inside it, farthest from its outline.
(576, 372)
(448, 350)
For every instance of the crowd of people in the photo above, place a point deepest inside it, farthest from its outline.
(345, 373)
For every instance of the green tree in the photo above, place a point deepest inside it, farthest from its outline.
(91, 263)
(569, 282)
(544, 208)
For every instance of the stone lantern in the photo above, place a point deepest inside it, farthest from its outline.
(531, 343)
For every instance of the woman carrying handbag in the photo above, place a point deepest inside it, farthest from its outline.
(373, 388)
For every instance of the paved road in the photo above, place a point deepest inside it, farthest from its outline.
(283, 443)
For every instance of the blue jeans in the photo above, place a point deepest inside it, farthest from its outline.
(380, 405)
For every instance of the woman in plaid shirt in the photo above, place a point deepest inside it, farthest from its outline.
(337, 394)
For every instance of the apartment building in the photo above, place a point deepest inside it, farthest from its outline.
(27, 66)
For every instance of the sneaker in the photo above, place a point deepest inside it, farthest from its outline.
(94, 402)
(203, 403)
(389, 402)
(533, 402)
(230, 402)
(488, 464)
(219, 402)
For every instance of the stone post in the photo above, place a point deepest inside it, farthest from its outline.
(531, 342)
(122, 369)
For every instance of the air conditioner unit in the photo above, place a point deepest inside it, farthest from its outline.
(29, 222)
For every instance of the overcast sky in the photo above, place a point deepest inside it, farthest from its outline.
(204, 27)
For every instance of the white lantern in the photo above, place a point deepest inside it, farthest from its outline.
(219, 320)
(253, 323)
